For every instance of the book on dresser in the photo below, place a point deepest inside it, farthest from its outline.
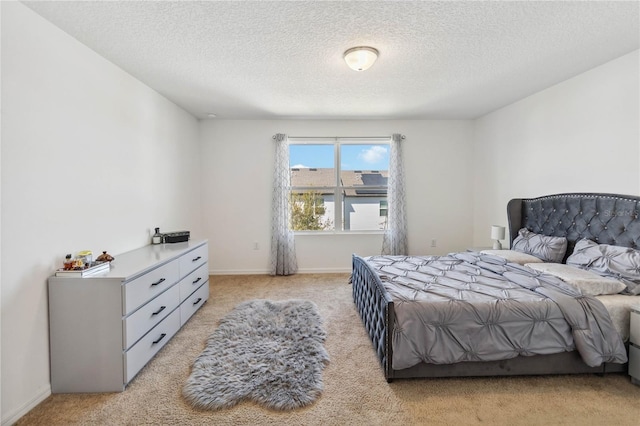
(93, 269)
(105, 327)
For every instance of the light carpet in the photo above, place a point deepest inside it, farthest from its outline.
(355, 391)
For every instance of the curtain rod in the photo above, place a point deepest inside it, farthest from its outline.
(338, 137)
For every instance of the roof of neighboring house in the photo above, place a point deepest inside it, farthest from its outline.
(325, 177)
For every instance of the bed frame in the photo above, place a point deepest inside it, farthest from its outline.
(604, 218)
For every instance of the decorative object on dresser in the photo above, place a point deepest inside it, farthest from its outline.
(634, 345)
(270, 352)
(170, 237)
(176, 237)
(105, 327)
(105, 257)
(157, 237)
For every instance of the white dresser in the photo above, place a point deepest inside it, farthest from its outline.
(106, 327)
(634, 345)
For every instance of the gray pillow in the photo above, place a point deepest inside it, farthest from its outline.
(622, 263)
(513, 256)
(549, 249)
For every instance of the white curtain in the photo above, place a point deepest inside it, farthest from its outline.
(394, 241)
(283, 252)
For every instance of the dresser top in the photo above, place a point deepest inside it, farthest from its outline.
(134, 263)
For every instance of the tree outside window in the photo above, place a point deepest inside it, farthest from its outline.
(307, 212)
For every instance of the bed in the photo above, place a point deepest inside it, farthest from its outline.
(601, 219)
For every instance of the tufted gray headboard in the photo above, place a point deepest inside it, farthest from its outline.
(603, 218)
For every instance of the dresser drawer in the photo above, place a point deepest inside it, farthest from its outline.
(194, 259)
(193, 281)
(194, 302)
(138, 291)
(136, 357)
(144, 319)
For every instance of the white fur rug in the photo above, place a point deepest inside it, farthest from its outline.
(266, 351)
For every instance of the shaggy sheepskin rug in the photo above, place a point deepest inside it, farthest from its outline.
(266, 351)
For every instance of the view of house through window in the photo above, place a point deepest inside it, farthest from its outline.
(338, 184)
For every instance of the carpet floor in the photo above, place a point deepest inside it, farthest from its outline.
(355, 391)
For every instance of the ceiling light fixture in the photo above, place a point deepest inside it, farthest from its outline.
(360, 58)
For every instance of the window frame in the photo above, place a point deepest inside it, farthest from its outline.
(384, 208)
(338, 190)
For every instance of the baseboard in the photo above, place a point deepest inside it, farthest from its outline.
(14, 416)
(265, 272)
(324, 271)
(238, 272)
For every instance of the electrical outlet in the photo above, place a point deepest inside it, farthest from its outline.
(256, 246)
(434, 243)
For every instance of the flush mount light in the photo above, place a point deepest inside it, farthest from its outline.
(360, 58)
(211, 115)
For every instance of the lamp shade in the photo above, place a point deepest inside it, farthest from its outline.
(360, 58)
(497, 232)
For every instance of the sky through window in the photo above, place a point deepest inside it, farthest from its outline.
(353, 157)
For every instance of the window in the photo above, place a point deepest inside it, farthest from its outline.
(384, 209)
(338, 184)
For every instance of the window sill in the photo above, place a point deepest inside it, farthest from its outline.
(377, 232)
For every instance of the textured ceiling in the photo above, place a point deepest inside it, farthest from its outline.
(263, 59)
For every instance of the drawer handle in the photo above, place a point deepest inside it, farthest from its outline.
(162, 336)
(197, 301)
(158, 282)
(199, 278)
(196, 259)
(162, 308)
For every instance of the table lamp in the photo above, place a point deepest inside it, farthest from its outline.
(497, 234)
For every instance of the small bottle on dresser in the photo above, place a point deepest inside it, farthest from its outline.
(157, 237)
(68, 263)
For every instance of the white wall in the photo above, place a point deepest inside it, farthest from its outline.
(91, 159)
(237, 177)
(581, 135)
(0, 225)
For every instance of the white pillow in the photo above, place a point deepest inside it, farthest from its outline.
(590, 283)
(513, 256)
